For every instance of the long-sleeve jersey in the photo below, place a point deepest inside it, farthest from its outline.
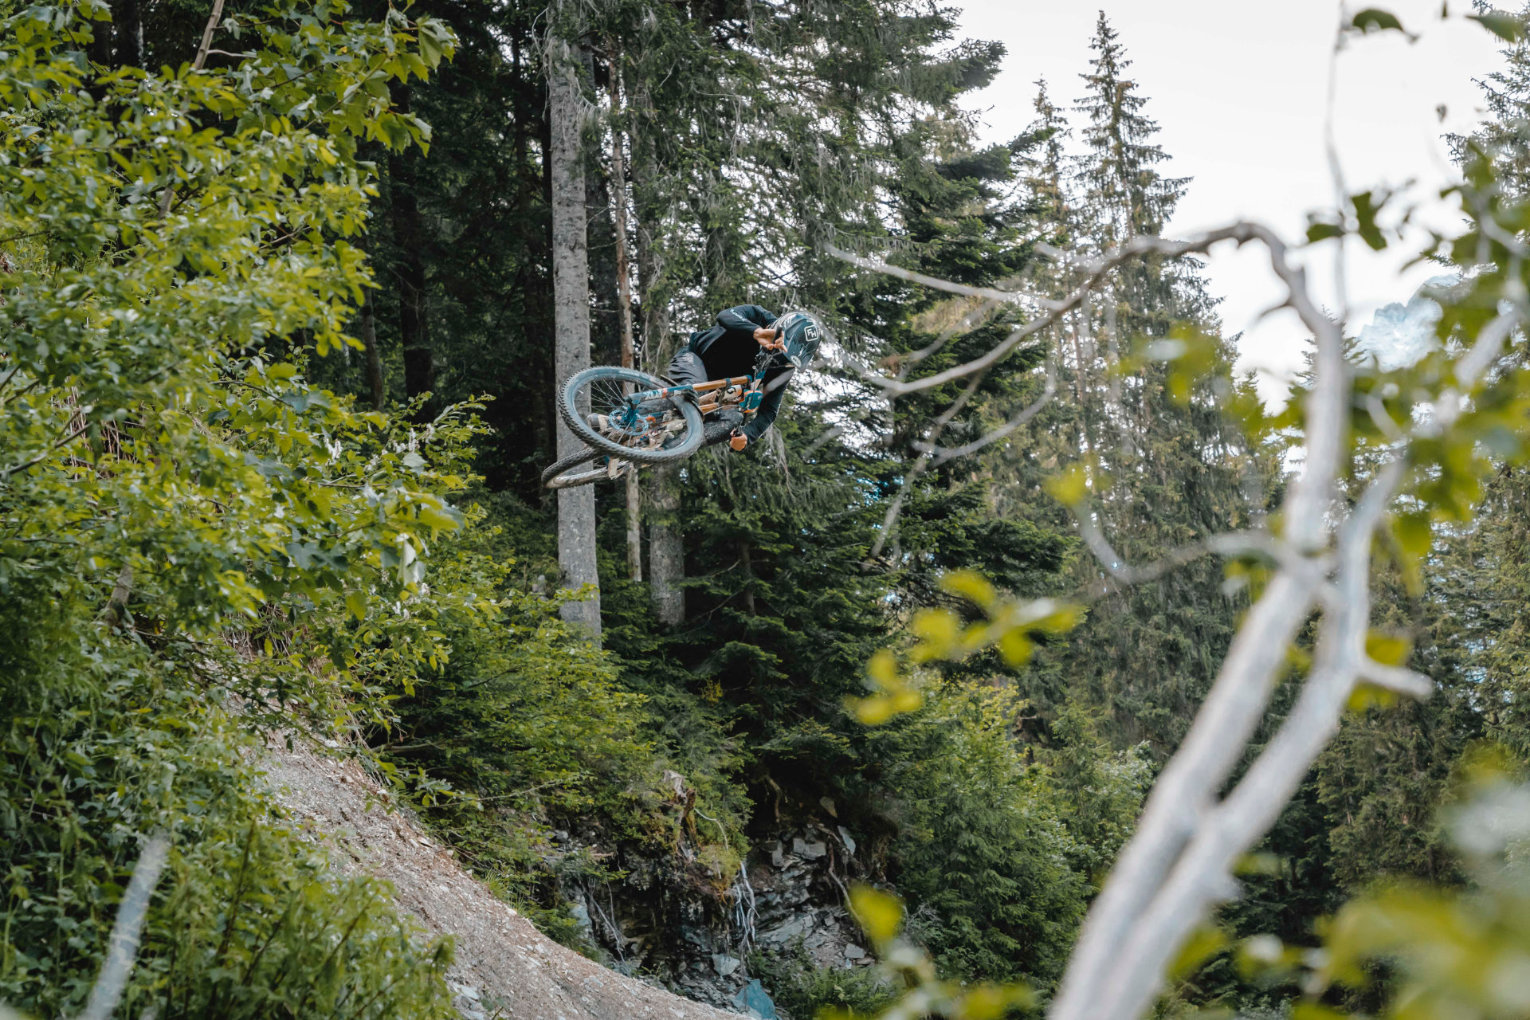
(729, 348)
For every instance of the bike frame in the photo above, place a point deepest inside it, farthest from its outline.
(710, 394)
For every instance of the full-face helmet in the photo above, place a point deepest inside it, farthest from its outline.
(801, 333)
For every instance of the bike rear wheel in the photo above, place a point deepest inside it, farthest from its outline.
(595, 406)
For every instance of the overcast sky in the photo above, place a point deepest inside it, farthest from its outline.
(1239, 91)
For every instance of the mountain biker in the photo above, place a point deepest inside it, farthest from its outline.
(729, 349)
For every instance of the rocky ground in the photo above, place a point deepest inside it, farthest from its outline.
(788, 905)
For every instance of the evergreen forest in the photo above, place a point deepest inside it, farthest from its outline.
(1031, 664)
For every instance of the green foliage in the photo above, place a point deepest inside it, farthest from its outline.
(1430, 951)
(536, 730)
(248, 919)
(909, 968)
(983, 852)
(803, 989)
(194, 541)
(773, 647)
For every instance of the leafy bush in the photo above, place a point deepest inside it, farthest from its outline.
(536, 730)
(803, 989)
(247, 921)
(984, 855)
(194, 541)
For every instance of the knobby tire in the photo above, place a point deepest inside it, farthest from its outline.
(568, 401)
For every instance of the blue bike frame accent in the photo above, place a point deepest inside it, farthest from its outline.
(633, 420)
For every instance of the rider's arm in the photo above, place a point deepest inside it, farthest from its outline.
(775, 390)
(745, 317)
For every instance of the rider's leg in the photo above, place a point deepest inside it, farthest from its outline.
(687, 369)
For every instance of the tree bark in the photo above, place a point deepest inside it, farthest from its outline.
(624, 303)
(409, 236)
(368, 330)
(666, 546)
(571, 304)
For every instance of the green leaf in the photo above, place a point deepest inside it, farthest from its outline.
(1505, 26)
(1203, 943)
(1374, 19)
(970, 585)
(879, 913)
(1368, 696)
(1069, 487)
(1366, 207)
(1318, 230)
(1388, 649)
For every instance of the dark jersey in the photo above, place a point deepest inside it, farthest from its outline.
(729, 348)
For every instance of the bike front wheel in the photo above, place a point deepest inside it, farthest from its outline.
(596, 407)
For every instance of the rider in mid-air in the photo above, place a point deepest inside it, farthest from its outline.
(729, 348)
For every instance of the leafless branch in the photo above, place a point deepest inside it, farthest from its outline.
(196, 65)
(207, 35)
(1396, 679)
(1237, 543)
(890, 519)
(1018, 421)
(1094, 273)
(122, 948)
(935, 283)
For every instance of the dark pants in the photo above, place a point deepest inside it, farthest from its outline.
(687, 368)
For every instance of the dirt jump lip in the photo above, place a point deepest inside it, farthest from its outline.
(504, 967)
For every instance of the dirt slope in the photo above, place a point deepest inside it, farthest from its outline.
(505, 967)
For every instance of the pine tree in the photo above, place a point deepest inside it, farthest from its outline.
(1178, 469)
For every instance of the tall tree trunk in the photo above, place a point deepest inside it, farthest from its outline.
(624, 301)
(374, 359)
(128, 27)
(409, 236)
(666, 546)
(571, 304)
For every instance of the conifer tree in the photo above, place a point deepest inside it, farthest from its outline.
(1176, 469)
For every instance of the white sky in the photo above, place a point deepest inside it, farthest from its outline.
(1239, 91)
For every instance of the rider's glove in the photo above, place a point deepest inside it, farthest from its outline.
(739, 440)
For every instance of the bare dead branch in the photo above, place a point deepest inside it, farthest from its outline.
(890, 519)
(1227, 544)
(196, 65)
(207, 35)
(1094, 272)
(1026, 414)
(122, 947)
(935, 282)
(1396, 679)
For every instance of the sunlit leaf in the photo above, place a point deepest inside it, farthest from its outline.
(880, 914)
(1203, 943)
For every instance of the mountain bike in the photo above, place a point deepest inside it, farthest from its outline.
(627, 417)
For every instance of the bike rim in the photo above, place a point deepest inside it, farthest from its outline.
(624, 418)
